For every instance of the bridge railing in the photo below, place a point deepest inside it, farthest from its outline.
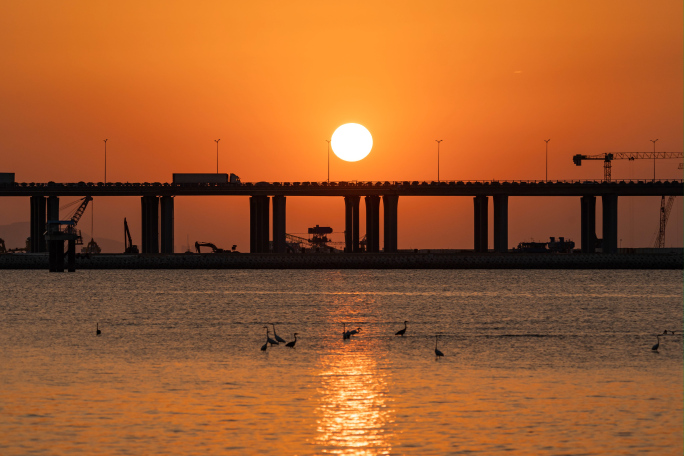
(350, 183)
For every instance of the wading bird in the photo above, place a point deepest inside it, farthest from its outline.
(401, 332)
(292, 344)
(264, 347)
(655, 347)
(354, 331)
(345, 334)
(277, 337)
(438, 352)
(97, 329)
(268, 338)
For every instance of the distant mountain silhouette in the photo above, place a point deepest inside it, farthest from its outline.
(15, 235)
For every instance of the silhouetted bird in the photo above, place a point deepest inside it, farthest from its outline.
(655, 347)
(354, 331)
(438, 353)
(268, 338)
(401, 332)
(277, 337)
(97, 329)
(345, 334)
(292, 344)
(264, 347)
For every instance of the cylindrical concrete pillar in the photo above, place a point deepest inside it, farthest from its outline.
(150, 224)
(501, 223)
(481, 223)
(258, 224)
(37, 224)
(610, 223)
(167, 224)
(390, 213)
(351, 223)
(588, 223)
(279, 241)
(372, 223)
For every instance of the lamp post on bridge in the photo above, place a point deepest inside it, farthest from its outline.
(654, 157)
(438, 141)
(328, 141)
(105, 180)
(217, 141)
(547, 158)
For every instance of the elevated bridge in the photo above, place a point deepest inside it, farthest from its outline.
(268, 199)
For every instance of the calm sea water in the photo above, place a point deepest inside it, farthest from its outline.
(536, 362)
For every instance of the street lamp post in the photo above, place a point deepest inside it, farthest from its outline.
(217, 141)
(438, 141)
(547, 157)
(654, 157)
(328, 141)
(105, 141)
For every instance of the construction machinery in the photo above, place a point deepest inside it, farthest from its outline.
(59, 231)
(129, 247)
(608, 158)
(213, 247)
(318, 241)
(665, 208)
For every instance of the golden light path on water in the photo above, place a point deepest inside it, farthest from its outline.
(354, 413)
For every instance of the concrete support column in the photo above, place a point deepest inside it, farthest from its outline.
(53, 208)
(167, 224)
(150, 224)
(481, 203)
(372, 224)
(258, 224)
(38, 225)
(610, 223)
(389, 206)
(351, 223)
(588, 223)
(279, 245)
(55, 248)
(71, 255)
(501, 223)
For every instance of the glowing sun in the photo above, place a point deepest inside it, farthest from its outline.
(351, 142)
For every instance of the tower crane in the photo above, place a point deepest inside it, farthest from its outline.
(608, 158)
(665, 208)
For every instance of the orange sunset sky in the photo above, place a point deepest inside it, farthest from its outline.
(492, 79)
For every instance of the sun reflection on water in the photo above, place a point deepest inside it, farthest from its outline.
(354, 416)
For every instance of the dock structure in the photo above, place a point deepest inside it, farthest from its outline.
(268, 199)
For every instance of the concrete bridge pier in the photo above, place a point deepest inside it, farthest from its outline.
(258, 224)
(55, 248)
(279, 245)
(610, 223)
(167, 224)
(389, 206)
(38, 224)
(501, 223)
(588, 223)
(351, 223)
(481, 223)
(372, 223)
(150, 224)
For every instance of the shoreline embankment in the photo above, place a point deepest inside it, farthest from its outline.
(357, 261)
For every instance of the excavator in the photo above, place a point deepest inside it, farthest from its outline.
(128, 240)
(213, 247)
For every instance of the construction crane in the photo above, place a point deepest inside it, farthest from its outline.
(665, 208)
(129, 247)
(608, 158)
(70, 225)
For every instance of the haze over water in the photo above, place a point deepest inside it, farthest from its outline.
(536, 362)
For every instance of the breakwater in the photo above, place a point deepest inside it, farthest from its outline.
(356, 261)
